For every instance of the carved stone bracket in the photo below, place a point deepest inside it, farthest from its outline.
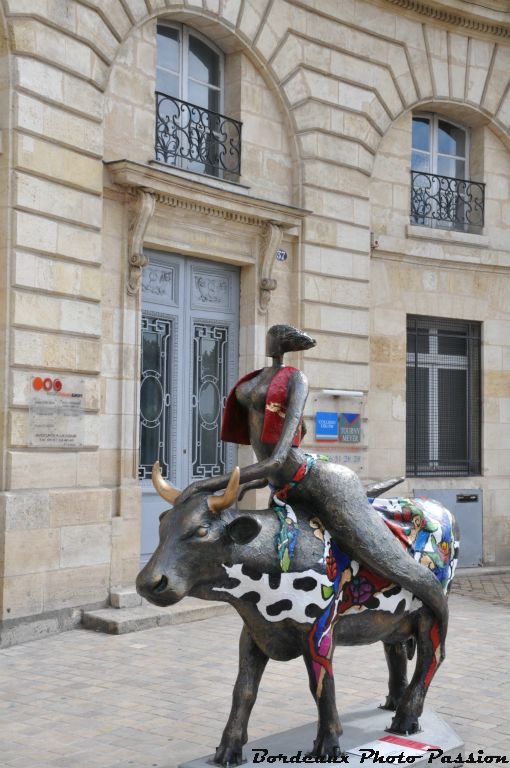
(142, 211)
(270, 241)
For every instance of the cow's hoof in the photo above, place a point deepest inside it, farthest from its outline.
(326, 746)
(404, 724)
(228, 756)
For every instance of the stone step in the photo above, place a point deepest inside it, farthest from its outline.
(120, 621)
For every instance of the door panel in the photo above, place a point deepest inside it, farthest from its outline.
(190, 329)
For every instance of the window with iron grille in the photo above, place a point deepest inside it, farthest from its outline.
(443, 397)
(191, 132)
(442, 193)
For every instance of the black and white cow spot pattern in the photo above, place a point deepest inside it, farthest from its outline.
(298, 595)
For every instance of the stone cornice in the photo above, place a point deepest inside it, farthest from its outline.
(148, 185)
(493, 22)
(211, 199)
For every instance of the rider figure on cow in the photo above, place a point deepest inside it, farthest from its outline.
(265, 410)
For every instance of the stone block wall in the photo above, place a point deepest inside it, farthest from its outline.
(325, 92)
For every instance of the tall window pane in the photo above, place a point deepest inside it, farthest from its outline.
(421, 133)
(204, 63)
(451, 139)
(168, 61)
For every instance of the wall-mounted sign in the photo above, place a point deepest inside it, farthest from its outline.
(56, 413)
(350, 427)
(326, 425)
(281, 255)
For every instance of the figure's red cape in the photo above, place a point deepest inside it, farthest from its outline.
(234, 427)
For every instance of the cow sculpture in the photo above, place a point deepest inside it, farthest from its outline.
(211, 550)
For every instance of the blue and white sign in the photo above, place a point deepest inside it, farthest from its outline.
(350, 427)
(326, 425)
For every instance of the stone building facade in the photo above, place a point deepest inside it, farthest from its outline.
(338, 102)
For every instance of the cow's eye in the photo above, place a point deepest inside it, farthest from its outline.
(202, 531)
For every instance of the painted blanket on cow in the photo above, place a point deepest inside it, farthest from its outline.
(425, 529)
(338, 586)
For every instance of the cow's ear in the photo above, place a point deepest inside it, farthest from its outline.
(243, 529)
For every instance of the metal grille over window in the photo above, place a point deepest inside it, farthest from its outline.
(440, 201)
(443, 397)
(196, 138)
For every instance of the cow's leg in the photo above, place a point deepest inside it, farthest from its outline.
(329, 727)
(396, 658)
(428, 642)
(252, 663)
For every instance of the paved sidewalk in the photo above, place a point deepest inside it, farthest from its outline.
(492, 587)
(160, 697)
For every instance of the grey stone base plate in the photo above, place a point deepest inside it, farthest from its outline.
(365, 728)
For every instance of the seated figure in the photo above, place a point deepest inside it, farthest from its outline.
(265, 410)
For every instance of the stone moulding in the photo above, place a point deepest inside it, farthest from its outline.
(206, 210)
(270, 240)
(146, 186)
(142, 211)
(454, 16)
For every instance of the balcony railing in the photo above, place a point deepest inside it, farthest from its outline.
(197, 139)
(441, 201)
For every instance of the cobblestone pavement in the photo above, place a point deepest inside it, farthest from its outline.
(160, 697)
(494, 588)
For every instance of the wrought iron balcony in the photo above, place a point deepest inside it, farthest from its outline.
(197, 139)
(445, 202)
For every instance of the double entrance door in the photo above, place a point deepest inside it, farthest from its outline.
(189, 348)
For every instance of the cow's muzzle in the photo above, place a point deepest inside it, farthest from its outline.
(155, 588)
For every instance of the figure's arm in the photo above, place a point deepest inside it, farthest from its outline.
(296, 399)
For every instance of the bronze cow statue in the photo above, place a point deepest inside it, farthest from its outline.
(211, 550)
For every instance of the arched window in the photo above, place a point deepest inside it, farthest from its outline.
(189, 67)
(442, 194)
(440, 147)
(191, 132)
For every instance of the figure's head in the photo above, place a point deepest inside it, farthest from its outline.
(286, 338)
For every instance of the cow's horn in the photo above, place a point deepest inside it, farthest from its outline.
(167, 491)
(218, 503)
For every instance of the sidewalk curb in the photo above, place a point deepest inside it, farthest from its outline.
(481, 571)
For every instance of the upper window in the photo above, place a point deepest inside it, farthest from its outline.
(189, 68)
(439, 147)
(191, 132)
(442, 195)
(443, 397)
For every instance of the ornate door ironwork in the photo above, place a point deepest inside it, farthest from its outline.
(156, 432)
(208, 398)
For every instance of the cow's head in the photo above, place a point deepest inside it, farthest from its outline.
(194, 541)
